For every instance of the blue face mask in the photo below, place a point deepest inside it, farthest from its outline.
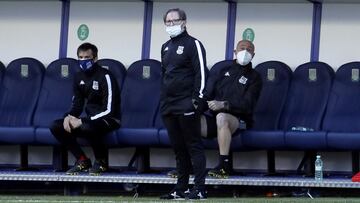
(86, 64)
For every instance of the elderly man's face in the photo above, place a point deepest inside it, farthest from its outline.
(245, 45)
(173, 18)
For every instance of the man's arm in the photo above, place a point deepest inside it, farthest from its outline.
(243, 105)
(77, 100)
(76, 107)
(107, 97)
(198, 60)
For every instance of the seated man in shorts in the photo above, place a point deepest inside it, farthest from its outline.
(231, 103)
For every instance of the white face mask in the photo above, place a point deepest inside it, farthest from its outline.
(174, 30)
(243, 57)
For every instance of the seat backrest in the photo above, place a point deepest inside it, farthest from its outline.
(116, 68)
(308, 95)
(20, 91)
(276, 77)
(56, 91)
(141, 94)
(343, 110)
(2, 72)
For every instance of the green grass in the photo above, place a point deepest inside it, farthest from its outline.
(107, 199)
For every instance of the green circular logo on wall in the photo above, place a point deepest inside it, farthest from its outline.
(249, 34)
(83, 32)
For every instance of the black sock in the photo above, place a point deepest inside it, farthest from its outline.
(224, 160)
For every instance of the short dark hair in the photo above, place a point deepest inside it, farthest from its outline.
(182, 14)
(88, 46)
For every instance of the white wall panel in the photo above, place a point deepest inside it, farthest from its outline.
(206, 22)
(30, 29)
(282, 31)
(340, 31)
(116, 28)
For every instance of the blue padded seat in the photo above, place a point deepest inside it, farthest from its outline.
(55, 97)
(164, 139)
(342, 120)
(2, 70)
(315, 140)
(265, 134)
(306, 104)
(140, 100)
(20, 89)
(343, 141)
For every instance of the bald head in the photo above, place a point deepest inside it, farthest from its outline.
(245, 45)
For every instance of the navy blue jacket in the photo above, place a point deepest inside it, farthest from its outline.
(97, 91)
(184, 74)
(240, 86)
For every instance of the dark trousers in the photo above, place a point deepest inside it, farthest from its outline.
(185, 136)
(93, 131)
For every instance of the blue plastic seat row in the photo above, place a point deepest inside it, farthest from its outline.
(287, 100)
(31, 97)
(321, 111)
(312, 97)
(140, 97)
(304, 108)
(311, 109)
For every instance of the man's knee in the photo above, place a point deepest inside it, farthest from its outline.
(86, 128)
(56, 127)
(227, 122)
(222, 121)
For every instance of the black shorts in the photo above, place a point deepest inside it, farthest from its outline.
(212, 127)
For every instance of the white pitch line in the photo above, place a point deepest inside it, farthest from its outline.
(55, 201)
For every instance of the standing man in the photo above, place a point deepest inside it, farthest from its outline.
(184, 73)
(232, 102)
(96, 90)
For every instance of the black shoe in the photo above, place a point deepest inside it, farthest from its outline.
(219, 172)
(172, 173)
(99, 167)
(197, 194)
(175, 195)
(80, 166)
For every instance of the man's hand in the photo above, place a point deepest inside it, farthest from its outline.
(75, 122)
(216, 105)
(66, 124)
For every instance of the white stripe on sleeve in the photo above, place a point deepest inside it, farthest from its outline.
(109, 100)
(202, 68)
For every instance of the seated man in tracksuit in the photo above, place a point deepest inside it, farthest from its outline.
(95, 91)
(231, 103)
